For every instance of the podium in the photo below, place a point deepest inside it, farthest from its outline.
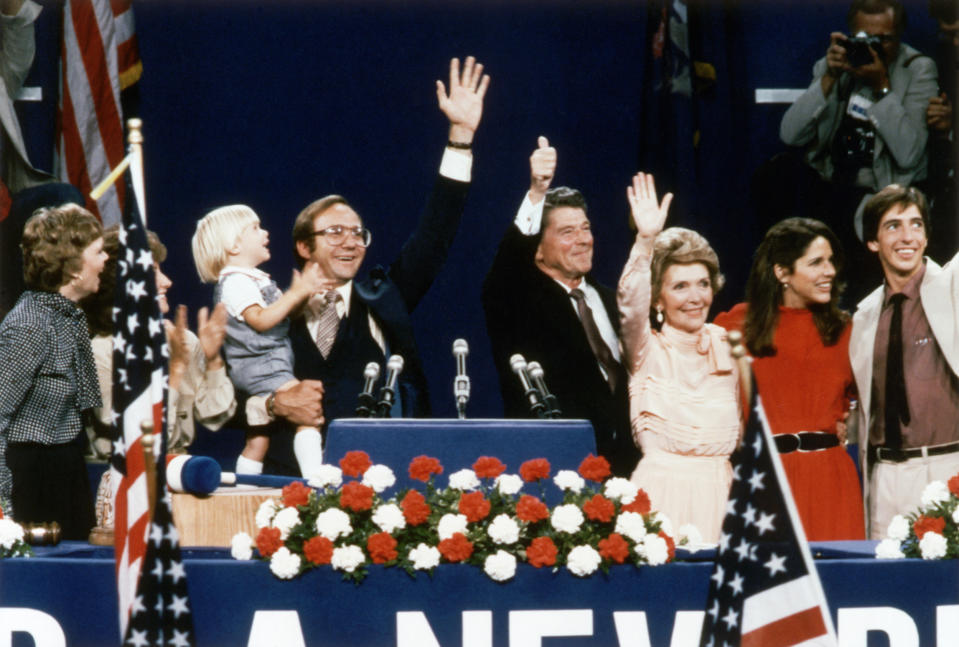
(458, 443)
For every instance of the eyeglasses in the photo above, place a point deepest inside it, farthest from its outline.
(336, 235)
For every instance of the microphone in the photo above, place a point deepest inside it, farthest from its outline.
(366, 402)
(461, 385)
(518, 364)
(549, 400)
(394, 366)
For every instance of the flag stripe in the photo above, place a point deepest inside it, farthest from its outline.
(778, 602)
(787, 631)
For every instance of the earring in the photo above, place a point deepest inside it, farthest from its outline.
(785, 285)
(659, 314)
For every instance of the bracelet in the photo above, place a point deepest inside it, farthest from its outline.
(464, 146)
(270, 400)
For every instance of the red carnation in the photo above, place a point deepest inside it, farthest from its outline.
(356, 496)
(640, 504)
(614, 548)
(474, 505)
(541, 552)
(415, 508)
(530, 509)
(670, 545)
(953, 486)
(534, 470)
(925, 524)
(457, 548)
(423, 467)
(268, 541)
(594, 468)
(296, 494)
(488, 467)
(599, 508)
(1, 513)
(318, 550)
(381, 547)
(355, 463)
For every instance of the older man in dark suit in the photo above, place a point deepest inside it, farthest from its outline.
(541, 302)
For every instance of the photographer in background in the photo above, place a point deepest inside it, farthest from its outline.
(862, 123)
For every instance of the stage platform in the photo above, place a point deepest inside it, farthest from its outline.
(70, 589)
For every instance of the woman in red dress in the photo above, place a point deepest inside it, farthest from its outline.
(799, 340)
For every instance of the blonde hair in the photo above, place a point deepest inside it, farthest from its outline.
(679, 246)
(216, 233)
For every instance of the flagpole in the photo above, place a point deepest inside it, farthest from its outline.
(135, 151)
(150, 465)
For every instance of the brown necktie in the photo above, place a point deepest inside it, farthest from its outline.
(328, 322)
(596, 342)
(897, 405)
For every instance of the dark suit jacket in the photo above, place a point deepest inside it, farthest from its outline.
(527, 312)
(392, 295)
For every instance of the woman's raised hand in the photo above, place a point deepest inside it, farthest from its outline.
(648, 214)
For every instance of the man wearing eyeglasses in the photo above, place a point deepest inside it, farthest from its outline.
(862, 122)
(359, 321)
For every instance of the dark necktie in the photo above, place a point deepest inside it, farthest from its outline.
(897, 406)
(596, 343)
(328, 322)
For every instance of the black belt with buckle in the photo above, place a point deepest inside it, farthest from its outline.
(805, 441)
(894, 455)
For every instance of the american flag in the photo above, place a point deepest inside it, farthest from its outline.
(99, 59)
(765, 591)
(151, 580)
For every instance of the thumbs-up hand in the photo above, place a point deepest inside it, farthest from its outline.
(542, 166)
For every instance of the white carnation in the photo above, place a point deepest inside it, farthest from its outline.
(379, 477)
(567, 518)
(508, 484)
(241, 546)
(10, 533)
(583, 561)
(500, 566)
(347, 558)
(285, 520)
(503, 530)
(655, 550)
(632, 525)
(694, 538)
(935, 492)
(664, 523)
(889, 549)
(333, 523)
(898, 528)
(450, 524)
(622, 489)
(264, 514)
(425, 557)
(955, 515)
(284, 564)
(569, 480)
(389, 518)
(932, 546)
(465, 479)
(327, 476)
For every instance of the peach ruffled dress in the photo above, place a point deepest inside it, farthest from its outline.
(684, 408)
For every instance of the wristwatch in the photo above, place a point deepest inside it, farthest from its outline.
(270, 400)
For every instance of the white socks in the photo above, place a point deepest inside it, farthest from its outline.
(246, 465)
(308, 449)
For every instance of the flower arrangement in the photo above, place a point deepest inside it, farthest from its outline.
(932, 532)
(483, 517)
(11, 539)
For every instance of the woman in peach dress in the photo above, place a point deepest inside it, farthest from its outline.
(683, 385)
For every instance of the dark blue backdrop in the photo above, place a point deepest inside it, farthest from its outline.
(275, 104)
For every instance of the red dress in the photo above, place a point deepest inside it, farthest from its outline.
(805, 387)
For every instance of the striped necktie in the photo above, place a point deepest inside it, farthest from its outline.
(329, 323)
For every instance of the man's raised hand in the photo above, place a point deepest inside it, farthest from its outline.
(542, 167)
(463, 106)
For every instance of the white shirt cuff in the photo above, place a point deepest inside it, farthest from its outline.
(256, 414)
(456, 165)
(530, 216)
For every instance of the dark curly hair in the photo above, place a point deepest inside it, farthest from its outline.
(53, 242)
